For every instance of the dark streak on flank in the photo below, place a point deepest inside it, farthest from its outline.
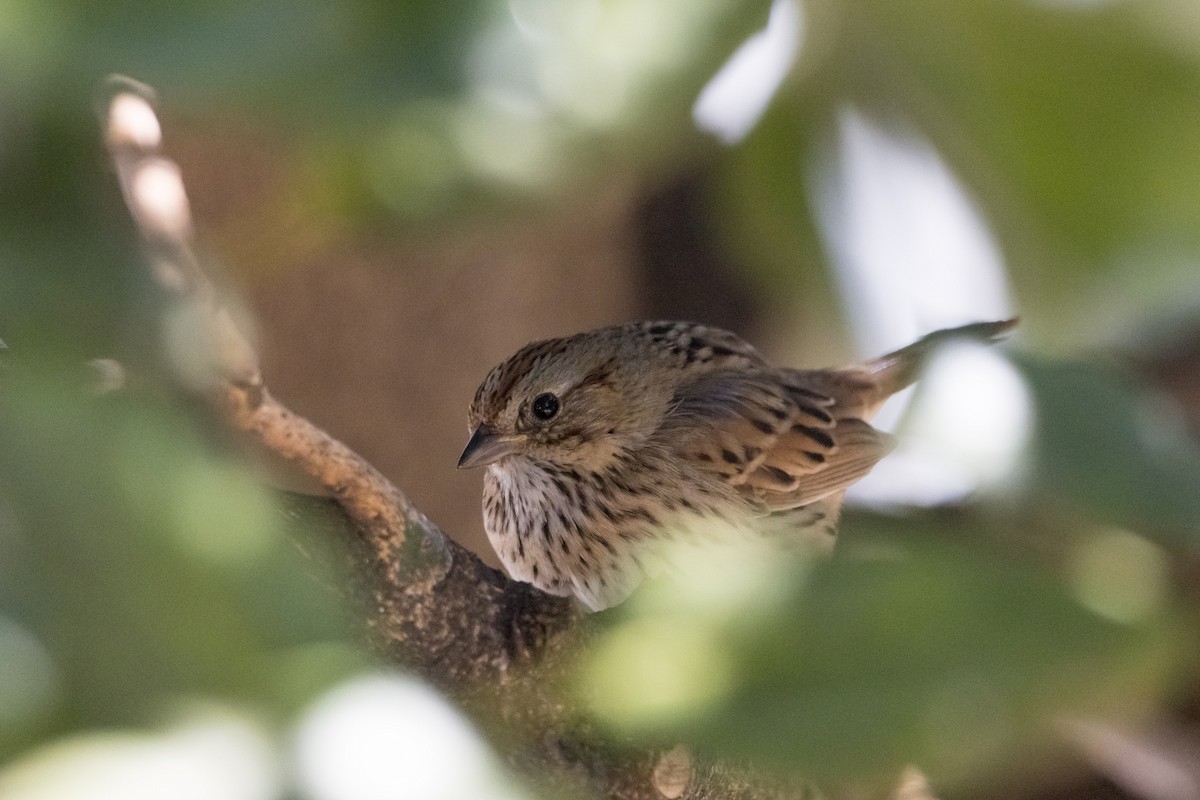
(778, 475)
(809, 393)
(816, 413)
(817, 435)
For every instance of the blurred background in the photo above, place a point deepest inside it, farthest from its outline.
(402, 194)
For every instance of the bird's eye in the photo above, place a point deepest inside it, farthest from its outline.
(545, 406)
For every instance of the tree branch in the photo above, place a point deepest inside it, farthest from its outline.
(422, 584)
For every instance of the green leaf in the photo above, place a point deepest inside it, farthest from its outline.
(945, 657)
(142, 565)
(1112, 450)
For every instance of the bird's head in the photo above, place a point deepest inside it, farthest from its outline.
(576, 401)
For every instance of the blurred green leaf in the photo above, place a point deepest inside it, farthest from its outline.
(1082, 111)
(144, 564)
(1113, 450)
(939, 655)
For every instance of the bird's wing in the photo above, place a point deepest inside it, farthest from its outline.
(781, 442)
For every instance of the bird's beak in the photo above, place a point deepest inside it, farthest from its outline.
(486, 447)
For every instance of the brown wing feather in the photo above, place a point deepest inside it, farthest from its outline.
(786, 438)
(857, 448)
(780, 443)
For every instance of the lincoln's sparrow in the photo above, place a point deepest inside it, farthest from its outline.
(600, 443)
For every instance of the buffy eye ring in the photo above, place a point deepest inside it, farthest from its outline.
(545, 406)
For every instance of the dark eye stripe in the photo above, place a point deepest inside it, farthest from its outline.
(600, 376)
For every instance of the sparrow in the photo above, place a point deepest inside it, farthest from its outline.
(604, 446)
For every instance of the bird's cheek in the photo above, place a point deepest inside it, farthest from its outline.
(567, 446)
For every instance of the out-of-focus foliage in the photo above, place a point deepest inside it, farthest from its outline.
(935, 653)
(142, 566)
(144, 572)
(1120, 455)
(923, 642)
(1072, 123)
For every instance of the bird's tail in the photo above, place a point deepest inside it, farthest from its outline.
(896, 370)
